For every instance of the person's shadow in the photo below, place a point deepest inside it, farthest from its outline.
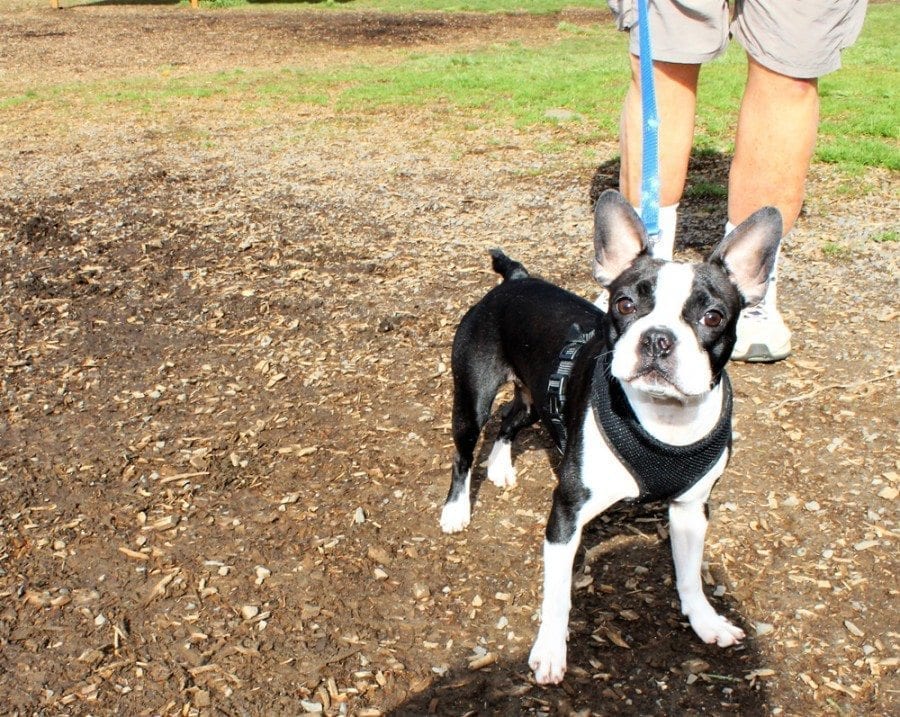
(703, 209)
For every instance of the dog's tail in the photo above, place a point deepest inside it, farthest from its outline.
(507, 268)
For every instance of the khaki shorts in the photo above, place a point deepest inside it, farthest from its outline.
(797, 38)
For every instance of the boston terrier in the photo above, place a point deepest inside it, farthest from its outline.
(637, 399)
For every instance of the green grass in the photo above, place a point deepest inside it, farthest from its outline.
(886, 237)
(833, 250)
(585, 71)
(506, 82)
(859, 104)
(706, 190)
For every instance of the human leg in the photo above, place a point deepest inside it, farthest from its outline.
(789, 46)
(676, 98)
(684, 36)
(776, 135)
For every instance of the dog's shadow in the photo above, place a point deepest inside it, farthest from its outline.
(630, 650)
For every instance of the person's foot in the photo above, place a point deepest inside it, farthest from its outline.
(762, 336)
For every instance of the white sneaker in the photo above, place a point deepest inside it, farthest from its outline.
(762, 335)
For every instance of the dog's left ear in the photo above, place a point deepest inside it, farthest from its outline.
(619, 236)
(748, 253)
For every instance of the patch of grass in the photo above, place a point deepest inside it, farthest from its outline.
(485, 6)
(17, 100)
(833, 250)
(887, 237)
(554, 147)
(706, 190)
(860, 112)
(505, 82)
(582, 30)
(206, 4)
(856, 151)
(586, 74)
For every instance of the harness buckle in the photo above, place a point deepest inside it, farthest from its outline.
(559, 379)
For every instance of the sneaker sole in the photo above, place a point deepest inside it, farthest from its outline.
(761, 353)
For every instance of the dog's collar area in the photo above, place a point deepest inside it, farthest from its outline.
(662, 471)
(558, 383)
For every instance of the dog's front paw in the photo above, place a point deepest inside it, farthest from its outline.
(548, 659)
(455, 516)
(713, 628)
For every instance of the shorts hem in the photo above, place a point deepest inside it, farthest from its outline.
(676, 56)
(794, 71)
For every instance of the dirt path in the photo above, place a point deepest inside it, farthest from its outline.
(225, 403)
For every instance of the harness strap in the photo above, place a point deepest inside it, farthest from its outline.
(559, 379)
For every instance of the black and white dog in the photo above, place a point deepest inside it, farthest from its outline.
(637, 399)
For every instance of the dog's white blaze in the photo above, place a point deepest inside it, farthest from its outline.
(673, 288)
(500, 470)
(456, 514)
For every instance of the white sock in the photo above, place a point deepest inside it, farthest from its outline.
(769, 300)
(664, 246)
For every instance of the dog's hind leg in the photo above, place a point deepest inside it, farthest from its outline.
(473, 396)
(517, 414)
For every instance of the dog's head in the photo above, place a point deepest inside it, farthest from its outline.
(673, 325)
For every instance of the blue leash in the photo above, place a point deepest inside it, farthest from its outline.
(650, 142)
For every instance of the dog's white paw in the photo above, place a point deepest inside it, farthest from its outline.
(500, 469)
(713, 628)
(548, 659)
(455, 516)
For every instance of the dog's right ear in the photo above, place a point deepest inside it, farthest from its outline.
(619, 236)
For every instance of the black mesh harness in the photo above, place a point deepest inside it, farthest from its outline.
(661, 470)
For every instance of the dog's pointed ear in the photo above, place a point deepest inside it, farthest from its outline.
(619, 236)
(748, 253)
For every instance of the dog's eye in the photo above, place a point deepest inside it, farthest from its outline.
(713, 318)
(625, 306)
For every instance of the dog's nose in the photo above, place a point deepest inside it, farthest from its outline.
(658, 343)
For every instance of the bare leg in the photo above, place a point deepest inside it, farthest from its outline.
(676, 98)
(776, 135)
